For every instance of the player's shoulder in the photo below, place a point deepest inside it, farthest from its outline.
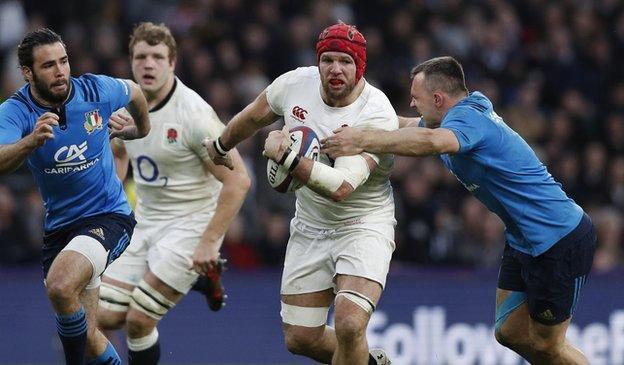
(188, 98)
(16, 105)
(375, 96)
(308, 73)
(96, 87)
(475, 105)
(376, 101)
(189, 106)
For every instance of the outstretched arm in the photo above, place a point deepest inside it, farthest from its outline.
(407, 122)
(405, 142)
(246, 123)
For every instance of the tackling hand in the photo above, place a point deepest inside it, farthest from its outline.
(122, 126)
(218, 159)
(43, 129)
(346, 141)
(276, 144)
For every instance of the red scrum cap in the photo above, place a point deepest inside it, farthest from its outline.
(345, 38)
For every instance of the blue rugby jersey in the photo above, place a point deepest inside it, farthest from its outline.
(496, 165)
(75, 171)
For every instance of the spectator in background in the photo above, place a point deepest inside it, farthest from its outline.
(548, 47)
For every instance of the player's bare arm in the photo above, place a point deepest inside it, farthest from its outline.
(121, 158)
(13, 155)
(236, 183)
(139, 127)
(256, 115)
(336, 182)
(407, 122)
(405, 142)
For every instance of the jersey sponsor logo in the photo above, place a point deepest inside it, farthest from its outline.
(71, 159)
(172, 135)
(93, 121)
(299, 113)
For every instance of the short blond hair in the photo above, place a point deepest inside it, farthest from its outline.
(153, 34)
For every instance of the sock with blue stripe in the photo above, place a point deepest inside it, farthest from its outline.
(108, 357)
(72, 329)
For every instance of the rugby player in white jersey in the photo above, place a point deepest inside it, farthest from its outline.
(184, 202)
(342, 235)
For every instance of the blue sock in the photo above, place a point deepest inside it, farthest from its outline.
(72, 329)
(108, 357)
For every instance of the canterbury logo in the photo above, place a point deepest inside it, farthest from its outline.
(299, 113)
(72, 155)
(98, 232)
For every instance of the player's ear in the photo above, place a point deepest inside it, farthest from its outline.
(438, 99)
(26, 73)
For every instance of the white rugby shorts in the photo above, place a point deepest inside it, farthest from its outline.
(166, 247)
(315, 256)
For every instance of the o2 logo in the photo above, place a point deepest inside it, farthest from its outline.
(148, 170)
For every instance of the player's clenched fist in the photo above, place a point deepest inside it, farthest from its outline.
(217, 154)
(276, 144)
(43, 129)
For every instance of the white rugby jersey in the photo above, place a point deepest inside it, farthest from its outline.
(168, 164)
(296, 95)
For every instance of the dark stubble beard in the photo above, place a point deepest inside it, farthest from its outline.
(44, 92)
(337, 97)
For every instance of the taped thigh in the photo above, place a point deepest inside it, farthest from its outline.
(93, 250)
(304, 316)
(359, 299)
(149, 301)
(114, 298)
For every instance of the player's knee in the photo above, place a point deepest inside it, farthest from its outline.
(502, 337)
(510, 339)
(546, 349)
(59, 291)
(109, 320)
(300, 340)
(138, 324)
(349, 328)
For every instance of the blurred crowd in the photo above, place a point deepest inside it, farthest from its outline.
(550, 67)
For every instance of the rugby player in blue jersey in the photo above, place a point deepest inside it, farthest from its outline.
(550, 240)
(59, 125)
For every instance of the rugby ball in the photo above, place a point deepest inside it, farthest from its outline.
(305, 142)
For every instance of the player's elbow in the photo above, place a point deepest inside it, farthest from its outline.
(342, 193)
(243, 181)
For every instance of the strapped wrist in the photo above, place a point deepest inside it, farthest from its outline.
(218, 145)
(289, 159)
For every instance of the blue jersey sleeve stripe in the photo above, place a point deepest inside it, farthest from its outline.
(91, 79)
(91, 97)
(16, 97)
(94, 88)
(84, 90)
